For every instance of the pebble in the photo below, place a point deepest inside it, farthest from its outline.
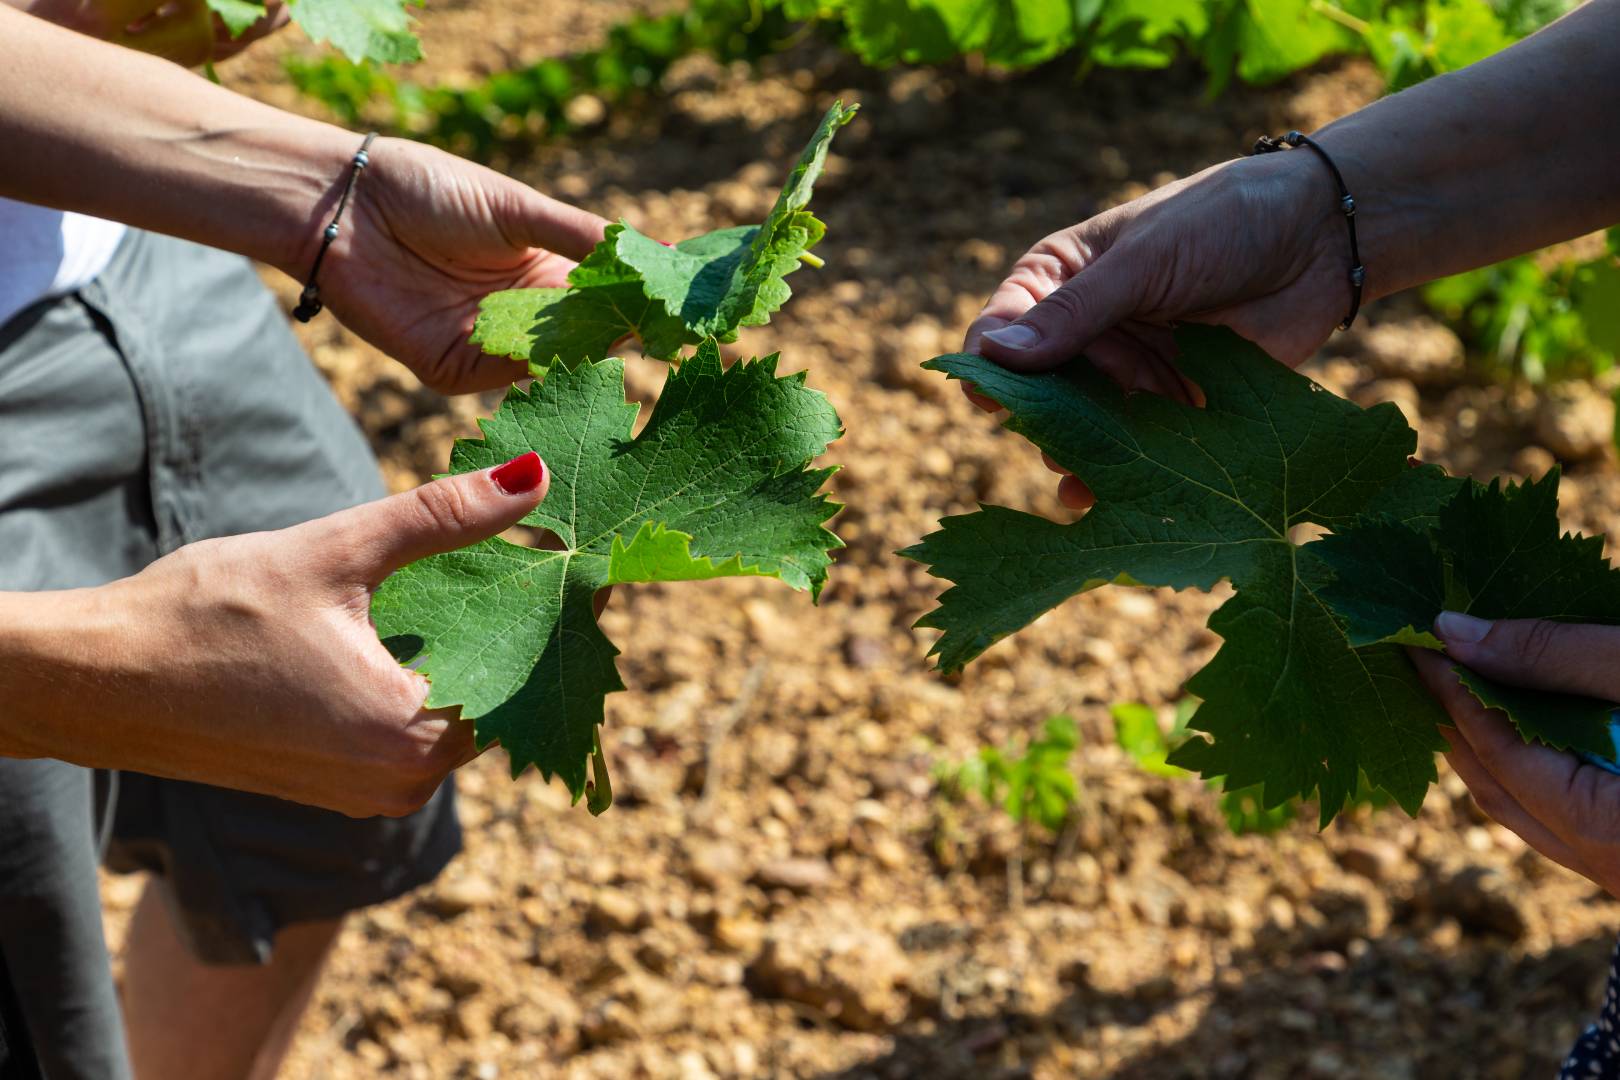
(796, 875)
(1373, 858)
(614, 910)
(453, 896)
(1575, 421)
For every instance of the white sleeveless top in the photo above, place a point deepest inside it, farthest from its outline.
(49, 253)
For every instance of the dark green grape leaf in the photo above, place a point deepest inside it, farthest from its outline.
(1497, 552)
(716, 485)
(1188, 497)
(667, 296)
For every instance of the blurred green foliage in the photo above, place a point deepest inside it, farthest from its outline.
(1538, 320)
(1137, 731)
(1255, 41)
(1033, 785)
(1518, 318)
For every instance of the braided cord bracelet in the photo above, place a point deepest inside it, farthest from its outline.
(309, 301)
(1267, 144)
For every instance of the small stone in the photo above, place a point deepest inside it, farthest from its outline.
(800, 876)
(890, 853)
(472, 1019)
(1280, 913)
(611, 1021)
(614, 911)
(839, 966)
(1398, 391)
(1532, 462)
(1575, 421)
(454, 896)
(1483, 899)
(739, 933)
(1325, 1063)
(584, 110)
(690, 1065)
(864, 652)
(1373, 858)
(711, 864)
(1421, 350)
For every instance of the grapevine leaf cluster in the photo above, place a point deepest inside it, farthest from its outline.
(1303, 697)
(717, 484)
(668, 296)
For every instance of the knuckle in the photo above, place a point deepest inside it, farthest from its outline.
(1064, 305)
(1537, 641)
(444, 506)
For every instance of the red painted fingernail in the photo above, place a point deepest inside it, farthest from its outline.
(666, 243)
(521, 475)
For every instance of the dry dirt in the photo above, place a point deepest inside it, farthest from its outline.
(780, 891)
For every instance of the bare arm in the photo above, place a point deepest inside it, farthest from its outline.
(1504, 156)
(1510, 154)
(107, 131)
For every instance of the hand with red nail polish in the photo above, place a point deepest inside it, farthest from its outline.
(251, 662)
(1562, 806)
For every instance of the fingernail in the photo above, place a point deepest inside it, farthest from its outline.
(1016, 336)
(1459, 629)
(521, 475)
(666, 243)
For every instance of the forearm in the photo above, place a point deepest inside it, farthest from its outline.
(49, 646)
(1504, 156)
(107, 131)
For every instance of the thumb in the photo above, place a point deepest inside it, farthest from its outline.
(449, 513)
(540, 221)
(1066, 320)
(1567, 658)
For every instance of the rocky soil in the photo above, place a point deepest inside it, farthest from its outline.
(781, 890)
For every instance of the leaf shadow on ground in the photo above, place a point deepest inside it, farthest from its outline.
(1466, 1010)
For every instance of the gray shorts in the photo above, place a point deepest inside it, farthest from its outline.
(164, 403)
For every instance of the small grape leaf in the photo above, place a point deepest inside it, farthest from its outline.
(604, 303)
(378, 30)
(1495, 551)
(716, 485)
(666, 296)
(1188, 497)
(238, 15)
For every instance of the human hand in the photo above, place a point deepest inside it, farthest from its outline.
(1565, 808)
(426, 237)
(1252, 244)
(250, 662)
(184, 31)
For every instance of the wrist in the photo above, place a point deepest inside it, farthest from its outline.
(301, 182)
(1392, 218)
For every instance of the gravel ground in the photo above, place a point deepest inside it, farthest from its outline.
(781, 890)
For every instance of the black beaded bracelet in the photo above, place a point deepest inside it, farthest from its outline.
(1358, 274)
(309, 301)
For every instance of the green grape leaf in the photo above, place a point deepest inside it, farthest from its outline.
(1188, 497)
(378, 30)
(667, 296)
(1494, 551)
(716, 485)
(237, 15)
(604, 303)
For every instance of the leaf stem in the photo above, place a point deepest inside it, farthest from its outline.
(815, 262)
